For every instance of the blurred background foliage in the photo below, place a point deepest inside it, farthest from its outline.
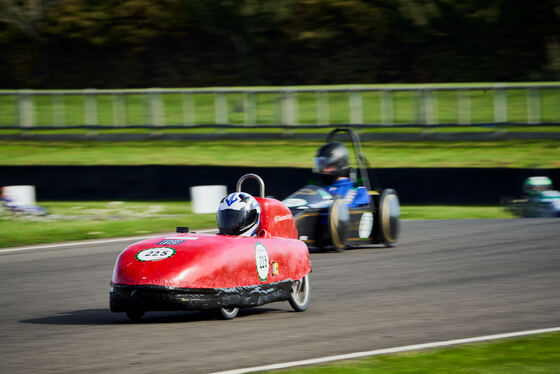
(189, 43)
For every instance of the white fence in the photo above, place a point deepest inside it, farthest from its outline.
(370, 106)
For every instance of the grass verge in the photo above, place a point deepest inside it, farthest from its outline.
(94, 220)
(535, 354)
(69, 221)
(454, 212)
(290, 153)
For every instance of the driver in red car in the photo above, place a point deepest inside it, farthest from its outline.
(331, 167)
(238, 214)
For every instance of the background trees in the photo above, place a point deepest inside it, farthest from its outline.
(171, 43)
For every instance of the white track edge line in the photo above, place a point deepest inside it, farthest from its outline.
(376, 352)
(96, 241)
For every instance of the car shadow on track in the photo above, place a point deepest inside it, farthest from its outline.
(106, 317)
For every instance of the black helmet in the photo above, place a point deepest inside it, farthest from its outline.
(331, 162)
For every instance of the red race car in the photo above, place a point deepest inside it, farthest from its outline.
(189, 271)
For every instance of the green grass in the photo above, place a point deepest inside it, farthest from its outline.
(537, 354)
(294, 153)
(200, 108)
(453, 212)
(104, 219)
(93, 220)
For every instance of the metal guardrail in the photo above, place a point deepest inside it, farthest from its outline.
(424, 98)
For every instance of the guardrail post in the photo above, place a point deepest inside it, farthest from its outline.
(356, 110)
(15, 109)
(221, 110)
(426, 107)
(189, 113)
(435, 107)
(250, 108)
(533, 106)
(463, 107)
(90, 110)
(155, 107)
(58, 110)
(500, 105)
(288, 109)
(387, 107)
(26, 109)
(322, 103)
(119, 114)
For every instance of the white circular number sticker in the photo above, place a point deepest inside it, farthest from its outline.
(155, 254)
(263, 263)
(366, 225)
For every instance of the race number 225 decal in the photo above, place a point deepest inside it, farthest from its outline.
(155, 254)
(262, 261)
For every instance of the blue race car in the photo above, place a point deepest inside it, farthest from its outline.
(348, 211)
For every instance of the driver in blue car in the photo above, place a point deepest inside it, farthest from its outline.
(331, 167)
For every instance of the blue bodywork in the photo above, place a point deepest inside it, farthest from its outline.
(354, 196)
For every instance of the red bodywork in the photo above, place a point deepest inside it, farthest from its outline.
(204, 261)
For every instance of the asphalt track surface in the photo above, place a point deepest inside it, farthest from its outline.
(445, 280)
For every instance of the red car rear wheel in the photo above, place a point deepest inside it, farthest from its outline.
(299, 298)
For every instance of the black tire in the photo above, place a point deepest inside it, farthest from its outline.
(300, 296)
(339, 224)
(229, 312)
(389, 217)
(135, 315)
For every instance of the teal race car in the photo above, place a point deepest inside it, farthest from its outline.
(538, 199)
